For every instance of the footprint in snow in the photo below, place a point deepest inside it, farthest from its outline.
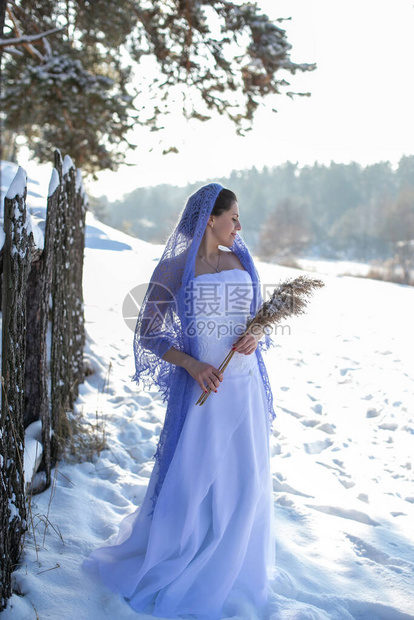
(316, 447)
(280, 487)
(342, 476)
(143, 401)
(108, 494)
(348, 484)
(345, 513)
(365, 550)
(344, 371)
(310, 423)
(108, 472)
(116, 399)
(130, 435)
(276, 449)
(294, 413)
(388, 426)
(284, 500)
(327, 428)
(141, 454)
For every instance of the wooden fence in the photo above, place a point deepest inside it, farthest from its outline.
(31, 276)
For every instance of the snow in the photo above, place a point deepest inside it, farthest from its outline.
(12, 507)
(33, 450)
(18, 184)
(342, 451)
(35, 194)
(17, 189)
(79, 185)
(67, 164)
(54, 182)
(335, 267)
(32, 226)
(12, 184)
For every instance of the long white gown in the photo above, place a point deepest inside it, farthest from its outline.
(209, 543)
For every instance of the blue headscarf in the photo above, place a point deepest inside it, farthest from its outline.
(164, 319)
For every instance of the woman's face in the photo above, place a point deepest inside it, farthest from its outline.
(226, 226)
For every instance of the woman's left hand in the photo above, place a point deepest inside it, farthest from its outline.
(248, 343)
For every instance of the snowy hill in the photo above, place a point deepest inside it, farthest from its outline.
(341, 450)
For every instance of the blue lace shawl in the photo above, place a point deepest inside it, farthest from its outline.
(164, 319)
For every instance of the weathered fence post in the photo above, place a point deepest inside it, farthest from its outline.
(68, 337)
(30, 278)
(39, 288)
(59, 315)
(77, 261)
(17, 257)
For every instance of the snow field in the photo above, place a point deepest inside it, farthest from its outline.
(341, 449)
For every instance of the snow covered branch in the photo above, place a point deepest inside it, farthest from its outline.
(28, 38)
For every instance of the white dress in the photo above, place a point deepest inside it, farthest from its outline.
(209, 543)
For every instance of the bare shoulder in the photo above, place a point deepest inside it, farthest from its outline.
(231, 261)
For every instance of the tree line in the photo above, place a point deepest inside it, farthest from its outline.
(339, 211)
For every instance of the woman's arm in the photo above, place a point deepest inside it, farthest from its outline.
(200, 371)
(176, 357)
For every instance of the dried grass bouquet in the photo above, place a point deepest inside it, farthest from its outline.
(290, 298)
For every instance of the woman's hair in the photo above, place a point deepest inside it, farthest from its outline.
(223, 202)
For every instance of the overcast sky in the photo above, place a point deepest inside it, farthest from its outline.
(361, 106)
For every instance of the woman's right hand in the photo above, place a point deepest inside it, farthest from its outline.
(204, 374)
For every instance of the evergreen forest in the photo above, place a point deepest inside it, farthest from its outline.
(336, 211)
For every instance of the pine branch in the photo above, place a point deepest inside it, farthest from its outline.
(28, 38)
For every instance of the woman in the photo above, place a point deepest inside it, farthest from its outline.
(202, 540)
